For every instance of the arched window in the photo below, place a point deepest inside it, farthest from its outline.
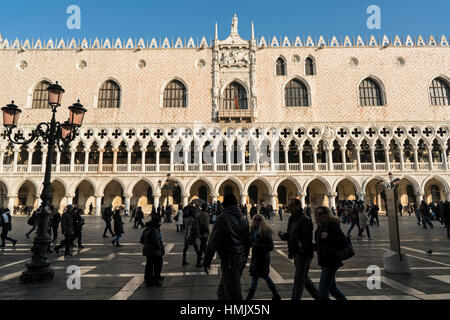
(370, 93)
(310, 66)
(175, 95)
(235, 97)
(40, 96)
(296, 94)
(109, 95)
(439, 92)
(281, 67)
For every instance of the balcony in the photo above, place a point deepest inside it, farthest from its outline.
(236, 115)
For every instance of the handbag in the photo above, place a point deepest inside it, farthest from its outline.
(347, 251)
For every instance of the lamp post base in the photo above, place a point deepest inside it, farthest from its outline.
(393, 264)
(37, 273)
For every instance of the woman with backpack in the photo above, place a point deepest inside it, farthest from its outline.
(329, 240)
(262, 244)
(191, 232)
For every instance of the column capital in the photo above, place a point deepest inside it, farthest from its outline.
(70, 195)
(99, 195)
(158, 149)
(128, 195)
(115, 150)
(143, 149)
(332, 194)
(129, 150)
(101, 150)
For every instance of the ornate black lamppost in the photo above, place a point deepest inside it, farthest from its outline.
(53, 134)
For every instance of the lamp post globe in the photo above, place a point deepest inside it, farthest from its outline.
(11, 115)
(55, 93)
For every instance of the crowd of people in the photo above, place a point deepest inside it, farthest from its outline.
(233, 236)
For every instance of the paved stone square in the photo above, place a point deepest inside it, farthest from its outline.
(110, 273)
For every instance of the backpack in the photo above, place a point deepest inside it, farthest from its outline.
(30, 221)
(193, 232)
(347, 251)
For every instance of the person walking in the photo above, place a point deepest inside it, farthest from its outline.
(78, 223)
(118, 228)
(400, 209)
(179, 220)
(253, 211)
(262, 245)
(425, 213)
(191, 233)
(67, 229)
(299, 237)
(169, 214)
(363, 218)
(280, 213)
(232, 240)
(329, 239)
(446, 216)
(154, 251)
(6, 224)
(33, 221)
(138, 218)
(354, 217)
(417, 214)
(203, 233)
(91, 208)
(107, 217)
(55, 221)
(133, 216)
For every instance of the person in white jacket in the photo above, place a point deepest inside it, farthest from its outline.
(363, 219)
(179, 220)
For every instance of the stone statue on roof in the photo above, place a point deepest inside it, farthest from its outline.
(234, 25)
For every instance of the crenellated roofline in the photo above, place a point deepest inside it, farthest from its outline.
(262, 42)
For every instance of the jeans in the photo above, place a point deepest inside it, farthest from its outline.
(153, 269)
(230, 281)
(328, 284)
(302, 279)
(354, 223)
(425, 221)
(186, 247)
(254, 284)
(117, 238)
(203, 242)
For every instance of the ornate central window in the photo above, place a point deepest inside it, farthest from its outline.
(109, 95)
(235, 97)
(296, 94)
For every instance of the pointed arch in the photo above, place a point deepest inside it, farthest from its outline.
(351, 179)
(231, 178)
(310, 66)
(281, 66)
(296, 93)
(133, 184)
(103, 186)
(439, 91)
(108, 94)
(289, 178)
(199, 178)
(321, 179)
(438, 178)
(174, 94)
(76, 184)
(371, 92)
(264, 180)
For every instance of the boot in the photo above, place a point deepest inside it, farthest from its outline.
(251, 294)
(275, 295)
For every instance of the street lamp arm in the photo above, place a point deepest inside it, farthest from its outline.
(42, 130)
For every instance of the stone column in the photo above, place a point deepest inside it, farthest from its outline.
(156, 201)
(242, 151)
(286, 158)
(171, 153)
(416, 158)
(30, 159)
(330, 159)
(69, 199)
(72, 159)
(303, 200)
(185, 199)
(243, 199)
(315, 157)
(16, 155)
(143, 153)
(300, 159)
(215, 197)
(444, 158)
(332, 200)
(228, 159)
(273, 201)
(447, 196)
(430, 158)
(114, 165)
(2, 159)
(127, 202)
(419, 198)
(11, 202)
(158, 153)
(214, 159)
(386, 156)
(98, 205)
(86, 161)
(402, 160)
(185, 157)
(372, 158)
(200, 158)
(258, 155)
(361, 195)
(58, 161)
(358, 158)
(100, 160)
(344, 159)
(129, 153)
(272, 158)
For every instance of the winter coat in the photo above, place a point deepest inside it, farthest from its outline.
(203, 225)
(230, 237)
(7, 226)
(56, 219)
(180, 217)
(191, 232)
(260, 262)
(300, 229)
(151, 239)
(446, 212)
(118, 224)
(327, 248)
(67, 223)
(363, 219)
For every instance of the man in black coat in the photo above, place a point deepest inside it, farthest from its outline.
(107, 216)
(33, 221)
(299, 237)
(153, 250)
(67, 229)
(78, 223)
(231, 238)
(446, 216)
(54, 224)
(138, 218)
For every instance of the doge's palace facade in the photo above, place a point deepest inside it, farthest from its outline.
(267, 119)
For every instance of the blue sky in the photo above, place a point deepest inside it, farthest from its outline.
(184, 18)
